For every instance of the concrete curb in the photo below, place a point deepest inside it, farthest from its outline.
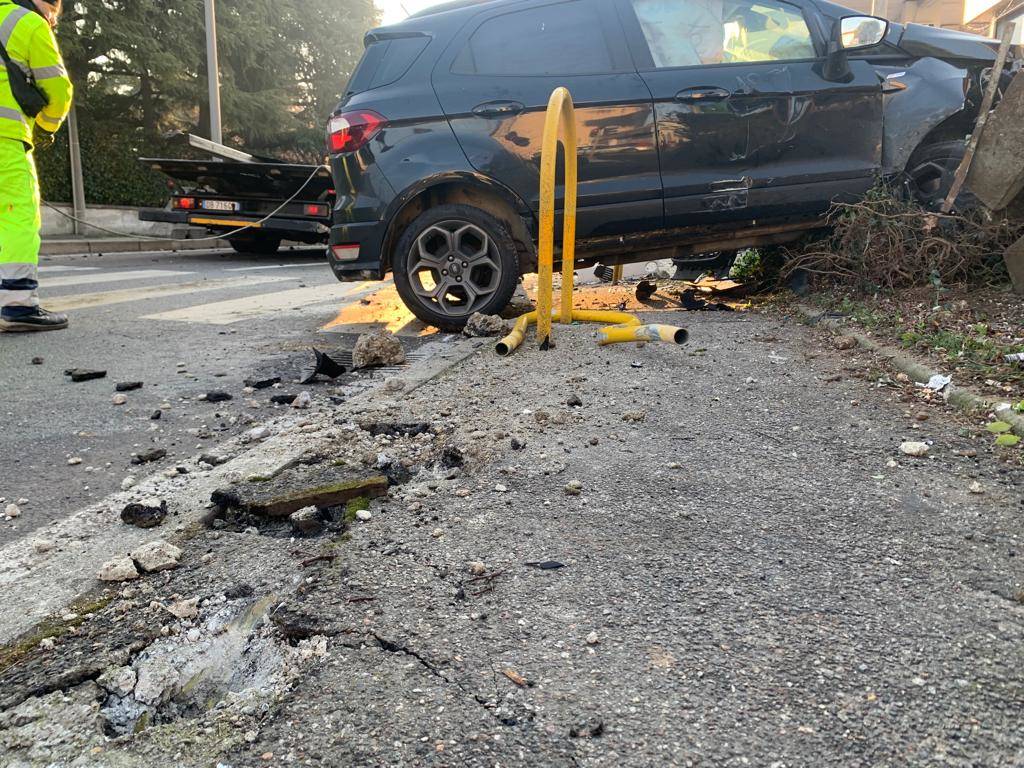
(964, 399)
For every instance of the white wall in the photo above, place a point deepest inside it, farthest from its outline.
(122, 219)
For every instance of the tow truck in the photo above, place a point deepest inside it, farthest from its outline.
(255, 202)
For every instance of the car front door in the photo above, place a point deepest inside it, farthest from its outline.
(748, 127)
(494, 83)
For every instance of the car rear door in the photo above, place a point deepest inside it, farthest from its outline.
(748, 128)
(494, 82)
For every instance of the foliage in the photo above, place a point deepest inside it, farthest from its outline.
(884, 243)
(139, 70)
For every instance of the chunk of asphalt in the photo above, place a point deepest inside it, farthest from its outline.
(262, 383)
(300, 487)
(285, 399)
(127, 386)
(217, 397)
(147, 513)
(84, 374)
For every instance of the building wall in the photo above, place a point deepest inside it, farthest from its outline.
(935, 13)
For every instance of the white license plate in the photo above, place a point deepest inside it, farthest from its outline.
(219, 205)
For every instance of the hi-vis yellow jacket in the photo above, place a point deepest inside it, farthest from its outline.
(30, 43)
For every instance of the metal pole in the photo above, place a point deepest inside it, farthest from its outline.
(213, 71)
(77, 183)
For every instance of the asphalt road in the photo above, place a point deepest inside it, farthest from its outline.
(184, 324)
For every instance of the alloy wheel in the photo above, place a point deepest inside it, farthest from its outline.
(455, 266)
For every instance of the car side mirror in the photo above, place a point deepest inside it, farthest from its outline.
(851, 33)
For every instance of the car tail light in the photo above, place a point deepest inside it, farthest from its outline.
(184, 203)
(345, 252)
(315, 209)
(349, 131)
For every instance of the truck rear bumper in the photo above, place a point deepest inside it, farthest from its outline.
(308, 231)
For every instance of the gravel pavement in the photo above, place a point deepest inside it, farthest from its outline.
(749, 572)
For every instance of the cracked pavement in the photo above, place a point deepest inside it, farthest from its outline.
(752, 575)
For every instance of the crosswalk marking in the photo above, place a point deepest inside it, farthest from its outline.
(85, 300)
(320, 264)
(45, 269)
(111, 277)
(235, 310)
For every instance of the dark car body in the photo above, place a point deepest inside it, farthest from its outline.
(676, 156)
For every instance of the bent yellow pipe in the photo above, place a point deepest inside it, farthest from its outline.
(509, 344)
(616, 334)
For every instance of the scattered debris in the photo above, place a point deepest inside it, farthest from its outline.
(214, 460)
(590, 728)
(146, 457)
(395, 429)
(544, 565)
(976, 487)
(74, 461)
(156, 556)
(844, 342)
(148, 513)
(127, 386)
(118, 569)
(573, 488)
(593, 638)
(306, 521)
(377, 349)
(155, 415)
(451, 457)
(37, 361)
(476, 567)
(936, 383)
(12, 510)
(645, 289)
(364, 515)
(262, 383)
(689, 301)
(127, 483)
(322, 366)
(515, 677)
(255, 434)
(184, 608)
(119, 399)
(635, 416)
(912, 448)
(574, 401)
(216, 397)
(41, 546)
(84, 374)
(283, 399)
(485, 325)
(1015, 357)
(302, 400)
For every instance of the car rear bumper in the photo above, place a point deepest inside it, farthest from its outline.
(354, 252)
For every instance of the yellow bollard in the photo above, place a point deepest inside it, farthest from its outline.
(561, 118)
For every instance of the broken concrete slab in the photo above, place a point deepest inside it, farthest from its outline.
(486, 325)
(118, 569)
(996, 175)
(156, 556)
(300, 487)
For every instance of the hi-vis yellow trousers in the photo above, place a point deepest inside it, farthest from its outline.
(19, 226)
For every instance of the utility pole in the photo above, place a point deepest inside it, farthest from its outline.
(213, 71)
(77, 184)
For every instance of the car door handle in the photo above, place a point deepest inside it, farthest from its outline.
(498, 109)
(702, 93)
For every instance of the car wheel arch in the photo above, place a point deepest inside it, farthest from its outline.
(464, 189)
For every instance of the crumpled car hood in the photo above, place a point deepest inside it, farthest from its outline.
(948, 44)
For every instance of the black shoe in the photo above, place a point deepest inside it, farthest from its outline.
(38, 319)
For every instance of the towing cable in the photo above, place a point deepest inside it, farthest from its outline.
(221, 236)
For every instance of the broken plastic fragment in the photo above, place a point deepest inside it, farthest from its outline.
(937, 383)
(323, 366)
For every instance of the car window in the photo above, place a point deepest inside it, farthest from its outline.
(691, 33)
(383, 62)
(561, 39)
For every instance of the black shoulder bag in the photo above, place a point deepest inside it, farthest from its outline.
(23, 86)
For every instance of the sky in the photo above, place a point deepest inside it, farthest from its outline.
(396, 10)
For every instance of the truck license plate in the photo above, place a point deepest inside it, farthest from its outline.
(220, 205)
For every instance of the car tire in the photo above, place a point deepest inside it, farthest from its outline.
(452, 261)
(930, 173)
(260, 244)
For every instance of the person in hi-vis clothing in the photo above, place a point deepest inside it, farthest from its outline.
(26, 36)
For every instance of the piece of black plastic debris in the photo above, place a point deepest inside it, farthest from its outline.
(323, 366)
(604, 273)
(217, 396)
(37, 361)
(285, 399)
(147, 456)
(84, 374)
(452, 457)
(544, 565)
(155, 415)
(574, 401)
(144, 514)
(262, 383)
(127, 386)
(688, 298)
(645, 289)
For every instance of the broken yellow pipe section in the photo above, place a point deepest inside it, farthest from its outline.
(623, 319)
(616, 334)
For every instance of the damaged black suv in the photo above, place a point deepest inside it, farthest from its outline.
(705, 126)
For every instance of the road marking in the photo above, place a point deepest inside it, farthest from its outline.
(279, 266)
(68, 269)
(111, 277)
(86, 300)
(235, 310)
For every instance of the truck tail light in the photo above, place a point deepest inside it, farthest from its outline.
(184, 203)
(315, 209)
(349, 131)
